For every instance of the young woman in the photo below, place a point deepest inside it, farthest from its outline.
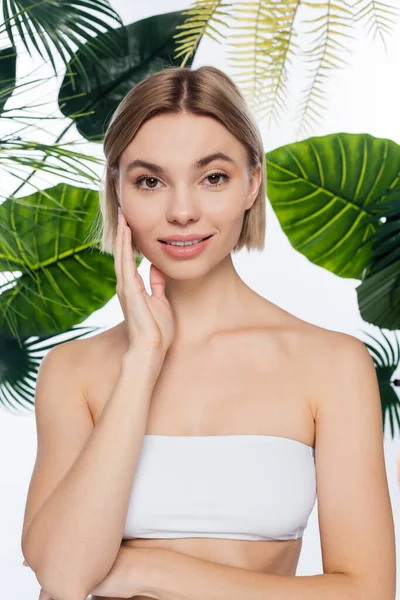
(200, 430)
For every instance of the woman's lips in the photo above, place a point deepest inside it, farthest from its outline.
(186, 251)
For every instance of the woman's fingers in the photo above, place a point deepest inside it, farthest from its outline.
(117, 252)
(157, 282)
(129, 271)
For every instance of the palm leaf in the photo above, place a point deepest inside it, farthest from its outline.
(267, 44)
(62, 25)
(203, 14)
(266, 35)
(335, 22)
(374, 15)
(20, 364)
(17, 155)
(386, 358)
(267, 90)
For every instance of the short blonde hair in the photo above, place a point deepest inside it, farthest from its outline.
(203, 91)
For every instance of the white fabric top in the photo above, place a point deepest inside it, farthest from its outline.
(243, 487)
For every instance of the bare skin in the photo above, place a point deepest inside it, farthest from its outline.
(262, 378)
(238, 364)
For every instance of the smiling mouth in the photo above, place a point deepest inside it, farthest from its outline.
(202, 240)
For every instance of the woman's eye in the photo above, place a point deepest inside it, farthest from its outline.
(145, 178)
(216, 175)
(154, 180)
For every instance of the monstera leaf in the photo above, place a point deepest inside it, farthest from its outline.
(60, 277)
(321, 190)
(146, 47)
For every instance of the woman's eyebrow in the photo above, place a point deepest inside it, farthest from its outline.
(197, 164)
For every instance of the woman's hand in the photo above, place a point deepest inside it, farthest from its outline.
(149, 319)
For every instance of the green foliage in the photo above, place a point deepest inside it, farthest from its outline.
(8, 62)
(57, 25)
(63, 279)
(267, 32)
(336, 196)
(386, 358)
(321, 190)
(145, 47)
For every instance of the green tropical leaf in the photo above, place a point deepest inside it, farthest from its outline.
(321, 190)
(8, 62)
(379, 292)
(379, 297)
(149, 49)
(386, 358)
(60, 25)
(17, 155)
(20, 364)
(385, 242)
(61, 278)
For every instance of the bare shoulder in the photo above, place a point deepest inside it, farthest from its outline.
(335, 358)
(326, 357)
(312, 341)
(99, 357)
(94, 355)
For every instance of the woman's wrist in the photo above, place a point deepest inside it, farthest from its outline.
(155, 562)
(147, 358)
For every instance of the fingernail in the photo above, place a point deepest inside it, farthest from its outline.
(119, 214)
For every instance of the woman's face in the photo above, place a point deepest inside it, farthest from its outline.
(176, 196)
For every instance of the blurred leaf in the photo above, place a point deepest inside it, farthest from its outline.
(57, 25)
(18, 154)
(379, 297)
(329, 32)
(374, 15)
(8, 61)
(149, 49)
(261, 47)
(379, 293)
(202, 14)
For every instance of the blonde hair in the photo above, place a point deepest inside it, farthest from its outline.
(203, 91)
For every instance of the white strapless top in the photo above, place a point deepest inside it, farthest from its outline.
(242, 487)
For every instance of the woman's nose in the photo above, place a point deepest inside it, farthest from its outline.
(183, 205)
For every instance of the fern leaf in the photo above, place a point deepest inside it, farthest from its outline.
(336, 21)
(269, 43)
(374, 13)
(204, 13)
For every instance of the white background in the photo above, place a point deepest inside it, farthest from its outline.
(362, 98)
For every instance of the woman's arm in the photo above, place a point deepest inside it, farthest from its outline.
(76, 534)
